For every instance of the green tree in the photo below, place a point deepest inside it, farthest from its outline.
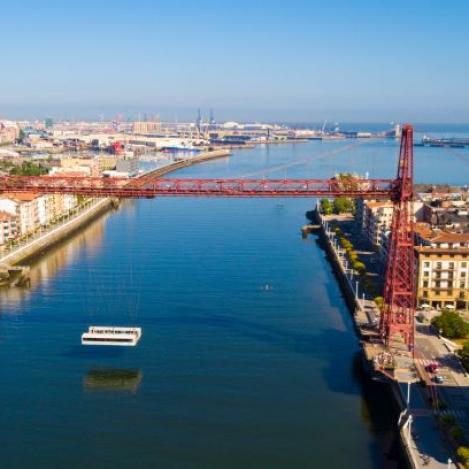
(447, 420)
(456, 432)
(359, 267)
(451, 325)
(326, 207)
(28, 169)
(463, 453)
(342, 205)
(21, 136)
(379, 300)
(464, 355)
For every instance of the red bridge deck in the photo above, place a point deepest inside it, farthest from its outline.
(151, 186)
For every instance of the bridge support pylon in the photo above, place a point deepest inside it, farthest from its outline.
(397, 317)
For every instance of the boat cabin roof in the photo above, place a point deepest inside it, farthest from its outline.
(113, 330)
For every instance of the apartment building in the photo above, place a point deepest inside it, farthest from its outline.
(25, 207)
(30, 211)
(8, 227)
(443, 268)
(377, 219)
(374, 218)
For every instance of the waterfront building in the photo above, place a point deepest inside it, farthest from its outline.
(127, 165)
(142, 127)
(106, 162)
(43, 211)
(8, 227)
(80, 164)
(23, 205)
(374, 219)
(32, 210)
(443, 267)
(52, 206)
(74, 171)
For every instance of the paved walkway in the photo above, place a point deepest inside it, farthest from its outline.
(426, 444)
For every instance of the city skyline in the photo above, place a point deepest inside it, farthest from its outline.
(305, 61)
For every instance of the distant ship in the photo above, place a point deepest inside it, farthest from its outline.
(452, 142)
(177, 145)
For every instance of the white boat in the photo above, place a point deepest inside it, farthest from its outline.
(108, 335)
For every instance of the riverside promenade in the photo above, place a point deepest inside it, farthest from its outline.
(45, 239)
(421, 439)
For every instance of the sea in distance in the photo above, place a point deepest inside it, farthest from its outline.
(248, 356)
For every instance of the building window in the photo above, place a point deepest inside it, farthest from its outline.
(426, 264)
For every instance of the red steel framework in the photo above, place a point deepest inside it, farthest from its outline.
(397, 318)
(399, 291)
(151, 186)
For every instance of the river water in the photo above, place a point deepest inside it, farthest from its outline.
(248, 356)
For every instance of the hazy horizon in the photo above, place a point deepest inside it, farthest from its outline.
(302, 61)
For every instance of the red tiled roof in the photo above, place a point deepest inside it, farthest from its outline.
(22, 196)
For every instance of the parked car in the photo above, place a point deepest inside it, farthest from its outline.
(432, 367)
(438, 379)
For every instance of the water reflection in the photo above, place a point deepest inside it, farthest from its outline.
(89, 241)
(86, 242)
(112, 379)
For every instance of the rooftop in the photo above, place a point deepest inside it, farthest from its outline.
(22, 196)
(440, 236)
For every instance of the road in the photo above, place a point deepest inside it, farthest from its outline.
(454, 391)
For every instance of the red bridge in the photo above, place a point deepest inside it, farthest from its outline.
(151, 186)
(397, 318)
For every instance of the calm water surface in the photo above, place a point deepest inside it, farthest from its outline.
(248, 357)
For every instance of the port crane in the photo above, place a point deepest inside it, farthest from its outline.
(397, 318)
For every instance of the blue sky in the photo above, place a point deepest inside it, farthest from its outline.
(274, 60)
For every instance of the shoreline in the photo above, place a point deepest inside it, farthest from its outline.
(361, 317)
(39, 246)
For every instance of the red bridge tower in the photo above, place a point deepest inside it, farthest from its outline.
(397, 318)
